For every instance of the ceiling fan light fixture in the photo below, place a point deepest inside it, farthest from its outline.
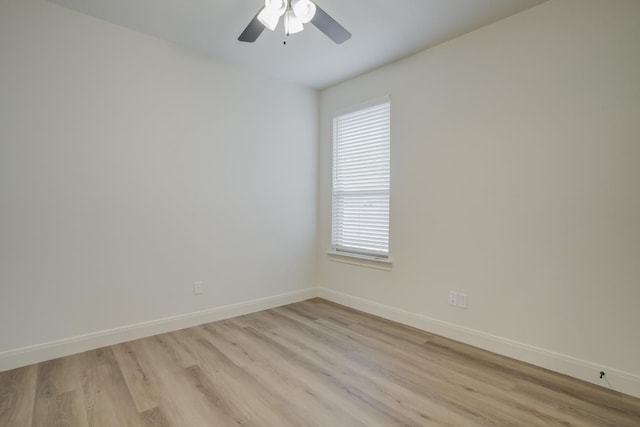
(269, 18)
(296, 14)
(304, 10)
(292, 24)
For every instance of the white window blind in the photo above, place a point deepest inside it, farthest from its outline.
(361, 180)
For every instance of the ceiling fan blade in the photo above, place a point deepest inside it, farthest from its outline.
(330, 26)
(253, 30)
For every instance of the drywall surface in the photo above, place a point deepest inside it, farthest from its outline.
(515, 154)
(130, 168)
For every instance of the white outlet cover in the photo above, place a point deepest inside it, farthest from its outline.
(197, 288)
(453, 298)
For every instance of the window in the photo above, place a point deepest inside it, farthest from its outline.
(361, 181)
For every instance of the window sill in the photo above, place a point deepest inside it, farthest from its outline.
(360, 260)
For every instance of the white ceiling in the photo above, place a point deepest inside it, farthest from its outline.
(382, 31)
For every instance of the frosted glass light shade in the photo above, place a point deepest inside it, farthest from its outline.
(269, 18)
(304, 10)
(292, 24)
(278, 6)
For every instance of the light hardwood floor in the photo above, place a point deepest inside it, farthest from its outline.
(313, 363)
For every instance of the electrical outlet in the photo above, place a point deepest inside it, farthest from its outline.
(198, 288)
(462, 300)
(453, 298)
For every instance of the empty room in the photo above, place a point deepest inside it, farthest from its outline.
(319, 213)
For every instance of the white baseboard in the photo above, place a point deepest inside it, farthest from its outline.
(40, 352)
(617, 380)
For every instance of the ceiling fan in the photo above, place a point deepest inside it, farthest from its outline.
(296, 13)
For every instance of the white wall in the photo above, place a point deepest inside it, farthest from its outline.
(130, 168)
(515, 179)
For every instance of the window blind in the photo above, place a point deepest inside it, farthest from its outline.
(361, 180)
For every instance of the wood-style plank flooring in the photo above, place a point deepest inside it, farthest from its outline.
(313, 363)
